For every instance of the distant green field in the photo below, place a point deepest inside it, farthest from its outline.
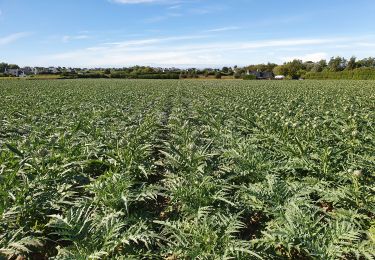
(192, 169)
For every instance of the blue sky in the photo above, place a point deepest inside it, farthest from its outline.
(182, 33)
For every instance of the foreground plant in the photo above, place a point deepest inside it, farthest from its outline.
(94, 169)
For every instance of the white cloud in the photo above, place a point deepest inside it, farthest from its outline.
(12, 38)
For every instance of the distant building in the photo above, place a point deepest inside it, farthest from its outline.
(261, 74)
(14, 72)
(70, 70)
(28, 70)
(53, 70)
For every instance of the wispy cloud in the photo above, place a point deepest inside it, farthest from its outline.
(174, 7)
(13, 37)
(135, 1)
(68, 38)
(223, 29)
(208, 9)
(308, 57)
(169, 2)
(162, 17)
(154, 41)
(176, 51)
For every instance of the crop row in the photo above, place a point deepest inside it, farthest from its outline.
(98, 169)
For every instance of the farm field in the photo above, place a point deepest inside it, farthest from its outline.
(169, 169)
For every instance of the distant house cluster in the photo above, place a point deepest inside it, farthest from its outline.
(261, 74)
(265, 75)
(14, 72)
(27, 71)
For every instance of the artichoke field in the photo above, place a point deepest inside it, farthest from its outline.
(187, 169)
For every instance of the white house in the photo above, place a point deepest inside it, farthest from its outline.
(279, 77)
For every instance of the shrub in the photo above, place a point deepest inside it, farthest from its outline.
(237, 75)
(359, 74)
(249, 77)
(92, 75)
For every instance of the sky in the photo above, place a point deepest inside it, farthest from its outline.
(182, 33)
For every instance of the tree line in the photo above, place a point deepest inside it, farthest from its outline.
(335, 68)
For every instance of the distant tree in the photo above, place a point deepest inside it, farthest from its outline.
(13, 66)
(194, 74)
(352, 63)
(337, 64)
(323, 63)
(183, 75)
(147, 70)
(107, 71)
(225, 70)
(371, 62)
(367, 62)
(261, 67)
(252, 68)
(309, 65)
(218, 75)
(280, 70)
(294, 68)
(317, 68)
(3, 66)
(270, 67)
(237, 75)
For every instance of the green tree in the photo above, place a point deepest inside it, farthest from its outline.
(225, 70)
(337, 64)
(309, 65)
(280, 70)
(352, 63)
(13, 66)
(294, 68)
(367, 62)
(237, 75)
(3, 66)
(183, 75)
(270, 66)
(319, 66)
